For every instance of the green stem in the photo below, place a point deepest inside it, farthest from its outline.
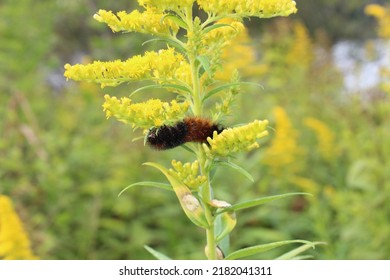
(206, 195)
(197, 109)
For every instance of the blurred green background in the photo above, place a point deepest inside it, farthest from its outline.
(63, 164)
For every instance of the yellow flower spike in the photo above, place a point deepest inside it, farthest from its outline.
(245, 8)
(152, 113)
(375, 10)
(167, 5)
(188, 173)
(14, 243)
(224, 34)
(238, 139)
(284, 150)
(150, 22)
(301, 51)
(382, 15)
(152, 65)
(325, 137)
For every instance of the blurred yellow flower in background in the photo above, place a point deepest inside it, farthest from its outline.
(382, 15)
(301, 50)
(14, 243)
(239, 55)
(325, 137)
(284, 150)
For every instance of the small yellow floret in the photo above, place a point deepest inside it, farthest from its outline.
(238, 139)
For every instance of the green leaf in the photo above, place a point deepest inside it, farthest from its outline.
(189, 203)
(226, 86)
(295, 252)
(188, 149)
(177, 87)
(215, 26)
(250, 251)
(159, 185)
(224, 242)
(258, 201)
(205, 62)
(158, 255)
(176, 44)
(176, 19)
(227, 223)
(302, 257)
(237, 168)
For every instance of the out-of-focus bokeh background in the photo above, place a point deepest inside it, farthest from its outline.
(62, 164)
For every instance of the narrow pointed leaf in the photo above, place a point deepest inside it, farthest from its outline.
(175, 44)
(205, 62)
(176, 20)
(185, 147)
(224, 243)
(250, 251)
(215, 26)
(173, 86)
(228, 222)
(158, 255)
(295, 252)
(227, 86)
(159, 185)
(302, 257)
(237, 168)
(189, 203)
(258, 201)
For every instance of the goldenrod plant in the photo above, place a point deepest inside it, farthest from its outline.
(189, 67)
(14, 242)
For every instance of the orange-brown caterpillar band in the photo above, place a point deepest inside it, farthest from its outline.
(191, 129)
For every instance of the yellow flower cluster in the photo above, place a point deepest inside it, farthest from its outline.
(14, 243)
(301, 51)
(188, 173)
(245, 8)
(152, 113)
(164, 65)
(382, 15)
(149, 21)
(238, 139)
(225, 33)
(167, 5)
(239, 54)
(325, 137)
(284, 148)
